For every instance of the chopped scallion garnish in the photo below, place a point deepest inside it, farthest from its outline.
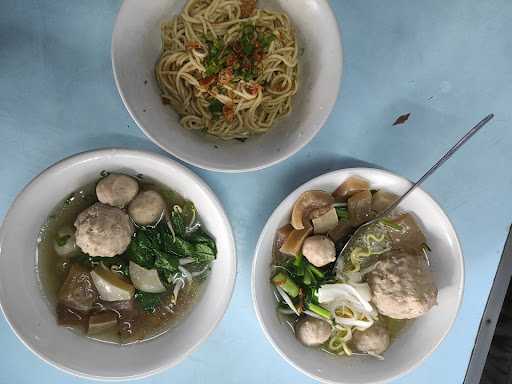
(319, 310)
(286, 283)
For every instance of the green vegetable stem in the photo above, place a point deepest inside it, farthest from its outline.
(286, 283)
(319, 310)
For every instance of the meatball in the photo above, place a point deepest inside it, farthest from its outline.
(402, 286)
(117, 190)
(102, 230)
(374, 340)
(319, 250)
(312, 332)
(146, 208)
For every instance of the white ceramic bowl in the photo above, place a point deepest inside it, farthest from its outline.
(136, 45)
(412, 346)
(33, 319)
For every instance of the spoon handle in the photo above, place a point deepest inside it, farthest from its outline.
(441, 161)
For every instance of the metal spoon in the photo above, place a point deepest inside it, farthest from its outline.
(441, 161)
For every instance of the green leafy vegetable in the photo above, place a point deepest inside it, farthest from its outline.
(171, 197)
(342, 213)
(159, 248)
(203, 253)
(200, 237)
(166, 267)
(142, 249)
(189, 211)
(178, 224)
(148, 301)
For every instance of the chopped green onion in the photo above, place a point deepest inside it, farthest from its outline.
(316, 272)
(215, 107)
(319, 310)
(286, 283)
(246, 40)
(266, 40)
(308, 277)
(426, 247)
(299, 265)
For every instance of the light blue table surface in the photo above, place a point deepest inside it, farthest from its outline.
(448, 63)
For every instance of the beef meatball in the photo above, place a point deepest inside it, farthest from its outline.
(102, 230)
(374, 340)
(402, 286)
(146, 208)
(319, 250)
(117, 190)
(312, 332)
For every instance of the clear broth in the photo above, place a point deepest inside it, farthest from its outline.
(52, 268)
(394, 326)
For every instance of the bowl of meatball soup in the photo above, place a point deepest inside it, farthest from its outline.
(366, 310)
(115, 264)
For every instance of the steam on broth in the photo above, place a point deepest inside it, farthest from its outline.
(123, 259)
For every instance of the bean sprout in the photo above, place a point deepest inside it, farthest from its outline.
(177, 288)
(186, 274)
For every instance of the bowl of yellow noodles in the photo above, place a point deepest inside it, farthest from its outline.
(228, 85)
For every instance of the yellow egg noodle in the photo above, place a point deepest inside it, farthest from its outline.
(228, 74)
